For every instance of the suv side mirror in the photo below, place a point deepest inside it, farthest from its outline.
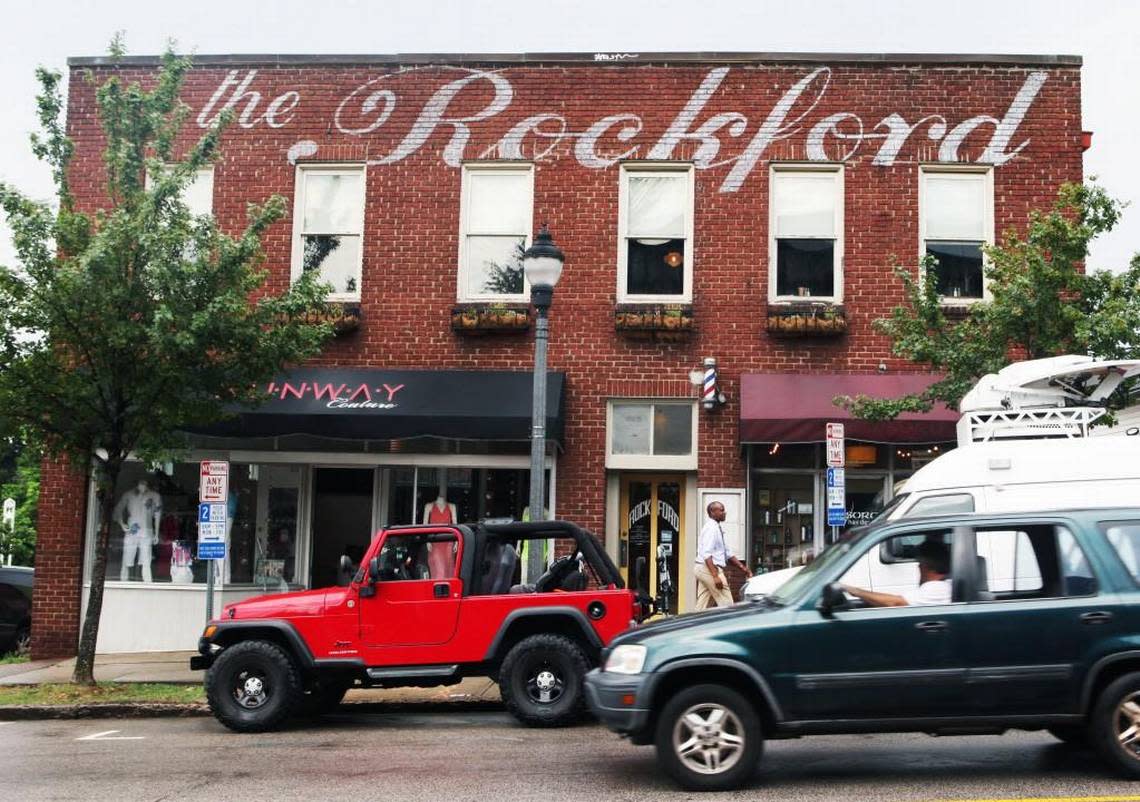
(832, 598)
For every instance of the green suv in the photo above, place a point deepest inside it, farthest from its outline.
(1041, 630)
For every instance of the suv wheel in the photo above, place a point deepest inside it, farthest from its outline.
(253, 686)
(541, 681)
(709, 738)
(1115, 726)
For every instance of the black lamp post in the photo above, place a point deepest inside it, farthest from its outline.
(542, 265)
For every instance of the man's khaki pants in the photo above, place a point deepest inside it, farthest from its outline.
(707, 593)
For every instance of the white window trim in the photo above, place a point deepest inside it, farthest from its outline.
(464, 209)
(204, 170)
(654, 169)
(840, 214)
(343, 168)
(934, 169)
(651, 462)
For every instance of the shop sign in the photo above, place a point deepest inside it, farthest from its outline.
(836, 497)
(836, 458)
(215, 481)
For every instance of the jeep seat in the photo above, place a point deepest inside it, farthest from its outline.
(556, 574)
(500, 563)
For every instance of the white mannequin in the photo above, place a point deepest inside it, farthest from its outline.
(138, 513)
(444, 511)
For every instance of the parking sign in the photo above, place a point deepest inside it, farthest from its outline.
(836, 457)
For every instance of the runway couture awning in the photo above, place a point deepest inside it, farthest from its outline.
(795, 408)
(398, 404)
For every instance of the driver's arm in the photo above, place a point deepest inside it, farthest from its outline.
(876, 599)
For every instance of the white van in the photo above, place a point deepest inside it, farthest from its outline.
(999, 476)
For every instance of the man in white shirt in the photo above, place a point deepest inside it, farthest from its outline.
(712, 556)
(934, 586)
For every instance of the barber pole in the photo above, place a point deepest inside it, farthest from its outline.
(708, 392)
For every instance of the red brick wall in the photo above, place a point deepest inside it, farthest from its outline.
(59, 561)
(412, 214)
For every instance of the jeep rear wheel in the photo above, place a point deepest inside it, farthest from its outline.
(709, 738)
(253, 686)
(541, 681)
(1115, 724)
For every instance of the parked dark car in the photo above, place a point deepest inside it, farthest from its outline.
(15, 609)
(1042, 631)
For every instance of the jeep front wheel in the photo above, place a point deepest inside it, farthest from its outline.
(253, 686)
(709, 738)
(541, 681)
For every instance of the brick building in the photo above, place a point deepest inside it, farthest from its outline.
(739, 207)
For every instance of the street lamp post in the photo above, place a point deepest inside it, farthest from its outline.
(542, 264)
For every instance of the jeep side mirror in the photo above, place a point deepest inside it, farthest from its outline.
(368, 587)
(374, 569)
(832, 598)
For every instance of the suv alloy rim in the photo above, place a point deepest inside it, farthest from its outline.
(251, 690)
(1127, 720)
(708, 738)
(544, 685)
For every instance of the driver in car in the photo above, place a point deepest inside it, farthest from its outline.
(933, 581)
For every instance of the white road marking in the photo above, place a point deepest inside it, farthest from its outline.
(105, 736)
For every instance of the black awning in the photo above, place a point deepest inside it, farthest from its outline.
(377, 404)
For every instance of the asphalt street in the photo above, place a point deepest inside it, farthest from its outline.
(486, 756)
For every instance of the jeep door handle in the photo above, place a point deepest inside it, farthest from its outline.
(441, 590)
(931, 626)
(1099, 617)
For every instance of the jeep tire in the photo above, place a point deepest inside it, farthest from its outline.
(540, 681)
(709, 738)
(1114, 727)
(253, 686)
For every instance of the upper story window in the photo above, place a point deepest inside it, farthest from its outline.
(655, 234)
(805, 233)
(198, 195)
(652, 434)
(328, 227)
(957, 218)
(496, 212)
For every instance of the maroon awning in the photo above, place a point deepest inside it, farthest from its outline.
(794, 408)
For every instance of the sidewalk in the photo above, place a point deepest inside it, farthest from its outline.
(174, 667)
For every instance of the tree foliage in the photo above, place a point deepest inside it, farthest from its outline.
(1041, 304)
(129, 320)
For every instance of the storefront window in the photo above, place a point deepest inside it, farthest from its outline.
(154, 526)
(785, 455)
(458, 495)
(783, 517)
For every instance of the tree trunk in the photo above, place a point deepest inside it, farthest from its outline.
(85, 660)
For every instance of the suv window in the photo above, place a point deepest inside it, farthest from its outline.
(418, 556)
(1033, 562)
(1124, 537)
(948, 504)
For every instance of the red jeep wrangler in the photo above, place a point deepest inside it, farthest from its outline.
(428, 606)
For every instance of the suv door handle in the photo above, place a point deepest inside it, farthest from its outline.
(441, 590)
(1099, 617)
(931, 626)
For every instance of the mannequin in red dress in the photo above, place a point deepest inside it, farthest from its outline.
(441, 558)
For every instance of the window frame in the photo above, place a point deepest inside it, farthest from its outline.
(986, 170)
(660, 169)
(651, 461)
(1102, 528)
(300, 187)
(467, 170)
(204, 170)
(790, 168)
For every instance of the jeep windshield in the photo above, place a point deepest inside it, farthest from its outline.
(794, 587)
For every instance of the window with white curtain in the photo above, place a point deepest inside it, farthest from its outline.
(805, 233)
(655, 234)
(328, 227)
(957, 220)
(496, 213)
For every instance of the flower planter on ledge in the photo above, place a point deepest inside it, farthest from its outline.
(654, 322)
(480, 319)
(344, 317)
(806, 320)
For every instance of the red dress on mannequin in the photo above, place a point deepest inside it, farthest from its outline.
(441, 559)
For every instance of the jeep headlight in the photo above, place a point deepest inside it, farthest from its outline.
(626, 659)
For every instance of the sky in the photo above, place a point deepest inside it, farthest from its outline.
(1103, 32)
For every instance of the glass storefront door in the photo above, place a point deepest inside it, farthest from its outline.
(652, 522)
(342, 520)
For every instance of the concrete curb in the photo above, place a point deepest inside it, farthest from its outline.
(172, 710)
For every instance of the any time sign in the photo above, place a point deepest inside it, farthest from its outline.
(214, 483)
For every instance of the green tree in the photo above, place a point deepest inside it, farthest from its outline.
(127, 323)
(23, 486)
(1041, 304)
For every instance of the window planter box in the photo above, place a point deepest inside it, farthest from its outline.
(659, 323)
(806, 320)
(480, 319)
(344, 317)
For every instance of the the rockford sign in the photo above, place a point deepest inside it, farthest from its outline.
(713, 137)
